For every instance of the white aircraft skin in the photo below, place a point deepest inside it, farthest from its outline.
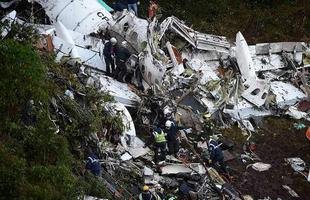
(80, 15)
(89, 16)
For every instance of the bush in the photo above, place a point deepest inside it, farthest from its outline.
(22, 78)
(12, 171)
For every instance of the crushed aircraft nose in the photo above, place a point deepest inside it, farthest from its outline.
(91, 17)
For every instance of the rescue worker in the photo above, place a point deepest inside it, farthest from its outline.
(172, 137)
(159, 140)
(109, 54)
(133, 5)
(122, 54)
(159, 192)
(308, 134)
(118, 6)
(93, 164)
(146, 194)
(216, 153)
(208, 126)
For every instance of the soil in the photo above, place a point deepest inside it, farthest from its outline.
(277, 140)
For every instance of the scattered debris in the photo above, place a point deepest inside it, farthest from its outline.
(296, 163)
(259, 166)
(291, 191)
(215, 81)
(183, 168)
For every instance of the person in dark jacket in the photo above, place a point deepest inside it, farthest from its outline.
(133, 5)
(109, 53)
(172, 137)
(146, 194)
(93, 164)
(122, 54)
(118, 6)
(216, 154)
(158, 138)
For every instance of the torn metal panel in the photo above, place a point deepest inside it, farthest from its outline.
(152, 70)
(87, 42)
(209, 42)
(296, 114)
(172, 55)
(86, 57)
(279, 47)
(190, 101)
(129, 27)
(182, 168)
(245, 110)
(89, 16)
(141, 36)
(64, 34)
(148, 171)
(136, 147)
(203, 55)
(138, 151)
(129, 140)
(296, 163)
(209, 104)
(9, 18)
(84, 41)
(92, 198)
(118, 109)
(256, 92)
(270, 62)
(259, 166)
(120, 91)
(198, 40)
(268, 56)
(286, 93)
(291, 191)
(126, 156)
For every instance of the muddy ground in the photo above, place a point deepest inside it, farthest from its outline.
(278, 139)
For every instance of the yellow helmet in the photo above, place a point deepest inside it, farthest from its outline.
(146, 188)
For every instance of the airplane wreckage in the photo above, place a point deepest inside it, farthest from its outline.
(190, 75)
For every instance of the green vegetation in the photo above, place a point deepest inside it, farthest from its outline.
(36, 161)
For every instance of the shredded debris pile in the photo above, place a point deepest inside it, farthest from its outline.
(202, 82)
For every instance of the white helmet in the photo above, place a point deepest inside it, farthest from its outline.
(124, 43)
(113, 40)
(168, 124)
(167, 111)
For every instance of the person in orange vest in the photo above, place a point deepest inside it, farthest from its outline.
(308, 134)
(153, 8)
